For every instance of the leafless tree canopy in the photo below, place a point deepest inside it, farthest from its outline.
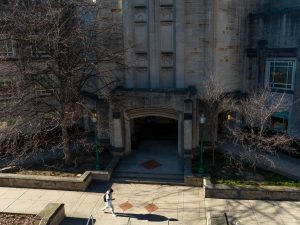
(252, 133)
(56, 50)
(215, 99)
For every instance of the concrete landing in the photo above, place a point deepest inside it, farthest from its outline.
(157, 160)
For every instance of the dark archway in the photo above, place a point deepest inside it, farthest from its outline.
(153, 128)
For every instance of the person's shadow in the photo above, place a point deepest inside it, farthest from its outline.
(149, 217)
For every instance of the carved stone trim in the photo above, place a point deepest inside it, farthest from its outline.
(166, 14)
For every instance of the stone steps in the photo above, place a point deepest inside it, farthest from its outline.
(179, 182)
(153, 178)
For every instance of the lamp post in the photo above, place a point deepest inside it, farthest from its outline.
(94, 119)
(202, 122)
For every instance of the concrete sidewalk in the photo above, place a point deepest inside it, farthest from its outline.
(145, 204)
(256, 212)
(182, 205)
(283, 164)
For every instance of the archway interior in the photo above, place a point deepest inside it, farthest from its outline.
(154, 151)
(153, 128)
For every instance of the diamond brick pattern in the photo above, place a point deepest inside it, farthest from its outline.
(125, 206)
(151, 207)
(151, 164)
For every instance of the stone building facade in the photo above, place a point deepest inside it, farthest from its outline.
(273, 57)
(171, 45)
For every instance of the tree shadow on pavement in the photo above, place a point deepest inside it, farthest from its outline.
(76, 221)
(98, 187)
(149, 217)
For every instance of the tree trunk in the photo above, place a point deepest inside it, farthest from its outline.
(214, 132)
(66, 146)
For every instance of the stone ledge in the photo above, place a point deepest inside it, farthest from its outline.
(58, 183)
(193, 180)
(46, 182)
(52, 214)
(250, 192)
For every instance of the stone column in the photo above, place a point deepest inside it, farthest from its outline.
(261, 61)
(188, 128)
(117, 134)
(128, 32)
(153, 44)
(127, 136)
(294, 121)
(180, 134)
(180, 43)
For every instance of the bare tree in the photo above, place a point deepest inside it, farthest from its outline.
(213, 94)
(61, 49)
(253, 134)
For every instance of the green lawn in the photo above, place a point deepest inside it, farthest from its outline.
(224, 173)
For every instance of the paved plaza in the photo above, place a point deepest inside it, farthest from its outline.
(254, 212)
(148, 204)
(144, 204)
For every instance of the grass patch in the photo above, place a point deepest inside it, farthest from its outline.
(225, 173)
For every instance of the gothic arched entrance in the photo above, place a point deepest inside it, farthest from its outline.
(147, 124)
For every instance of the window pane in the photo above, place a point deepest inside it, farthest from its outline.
(272, 73)
(9, 45)
(290, 75)
(3, 47)
(281, 64)
(280, 75)
(276, 85)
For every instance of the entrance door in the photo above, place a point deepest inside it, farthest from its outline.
(155, 128)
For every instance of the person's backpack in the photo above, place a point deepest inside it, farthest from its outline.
(104, 197)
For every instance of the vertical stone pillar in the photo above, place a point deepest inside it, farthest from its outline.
(261, 62)
(188, 128)
(127, 136)
(180, 134)
(294, 121)
(154, 43)
(117, 134)
(180, 34)
(128, 33)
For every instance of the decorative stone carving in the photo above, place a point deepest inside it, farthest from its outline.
(166, 13)
(140, 15)
(141, 60)
(139, 3)
(167, 60)
(166, 2)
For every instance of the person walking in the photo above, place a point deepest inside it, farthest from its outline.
(108, 201)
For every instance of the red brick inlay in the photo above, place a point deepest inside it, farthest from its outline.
(151, 208)
(125, 206)
(151, 164)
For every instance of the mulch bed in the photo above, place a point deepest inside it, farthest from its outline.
(16, 219)
(56, 167)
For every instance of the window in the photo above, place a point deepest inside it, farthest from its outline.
(5, 89)
(280, 74)
(43, 85)
(41, 46)
(6, 48)
(279, 121)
